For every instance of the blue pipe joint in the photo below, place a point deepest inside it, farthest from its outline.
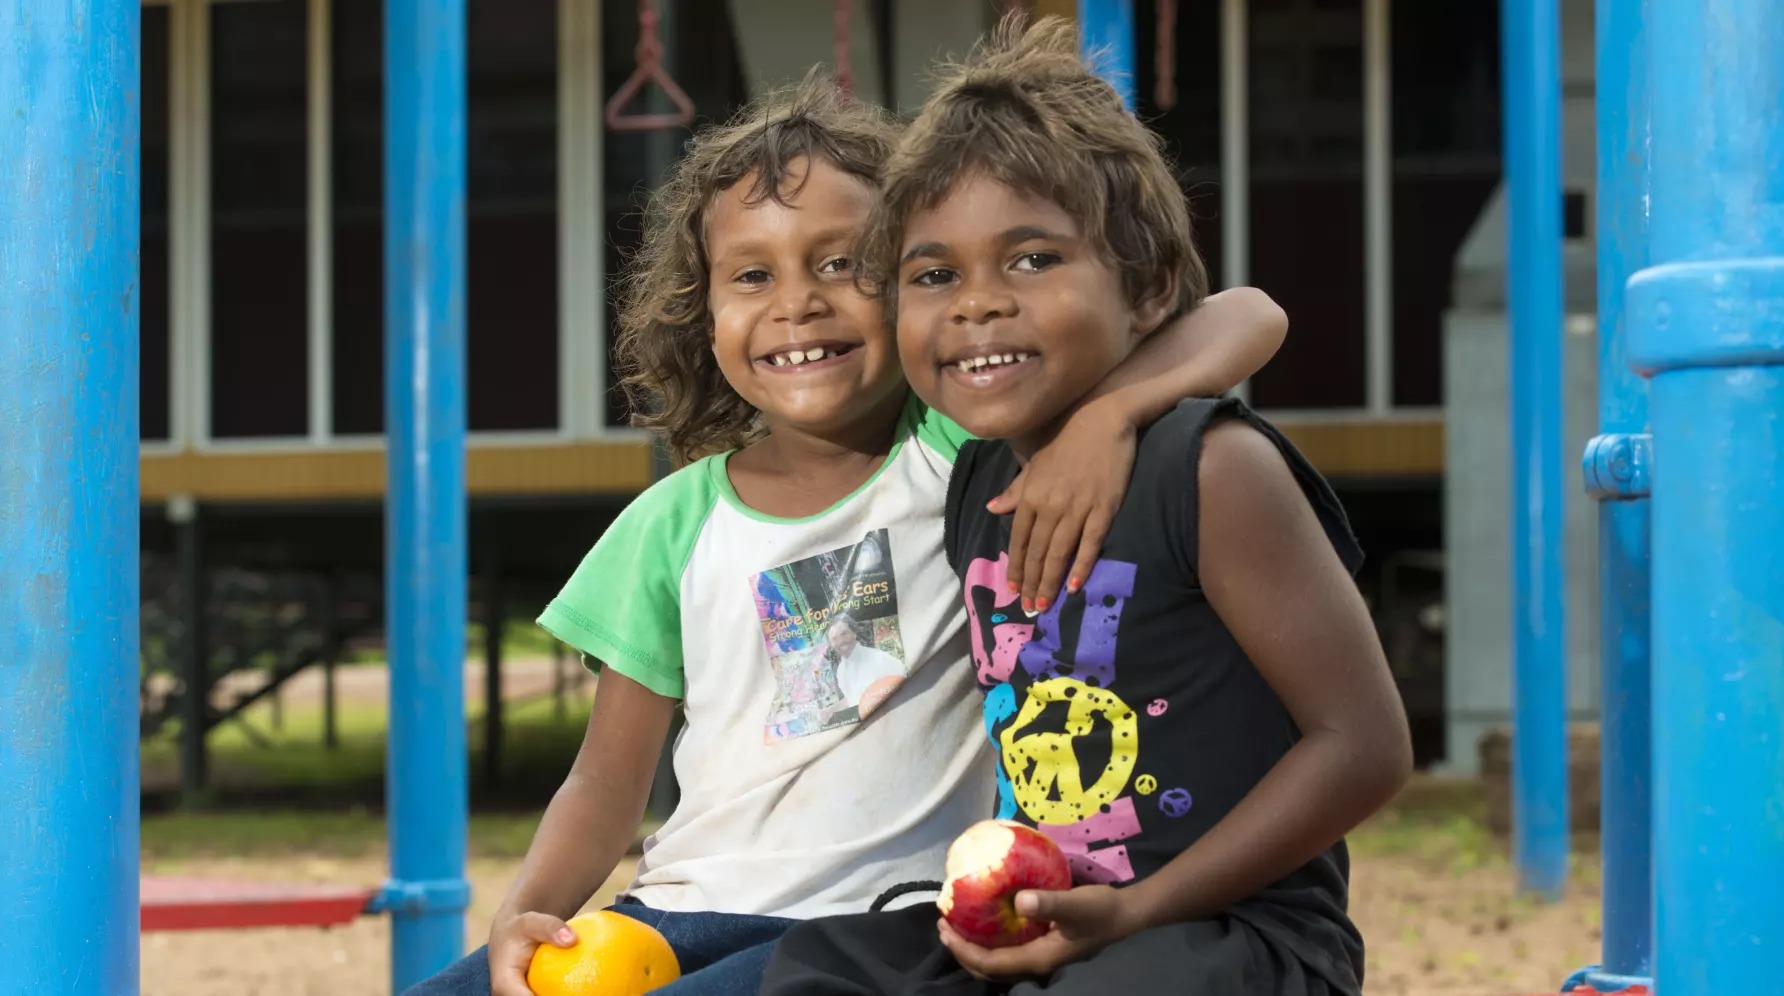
(1617, 466)
(1721, 313)
(1600, 981)
(422, 898)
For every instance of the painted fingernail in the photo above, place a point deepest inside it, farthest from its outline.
(1042, 603)
(566, 936)
(1014, 587)
(1073, 585)
(1028, 606)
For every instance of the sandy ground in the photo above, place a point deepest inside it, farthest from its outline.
(1432, 928)
(1430, 931)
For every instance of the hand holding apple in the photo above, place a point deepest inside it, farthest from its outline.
(987, 866)
(1084, 921)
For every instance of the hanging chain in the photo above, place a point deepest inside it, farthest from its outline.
(1164, 70)
(649, 69)
(649, 51)
(840, 46)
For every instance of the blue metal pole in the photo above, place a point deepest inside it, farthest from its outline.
(1616, 466)
(1706, 324)
(70, 92)
(1531, 32)
(424, 314)
(1106, 28)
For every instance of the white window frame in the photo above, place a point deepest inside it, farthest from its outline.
(1378, 199)
(581, 234)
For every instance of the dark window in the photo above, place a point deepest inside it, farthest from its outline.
(1446, 131)
(511, 225)
(259, 278)
(1306, 123)
(703, 59)
(1191, 129)
(154, 278)
(357, 179)
(512, 235)
(1573, 214)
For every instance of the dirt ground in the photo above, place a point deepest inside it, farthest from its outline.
(1431, 931)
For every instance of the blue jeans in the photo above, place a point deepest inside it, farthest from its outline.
(721, 954)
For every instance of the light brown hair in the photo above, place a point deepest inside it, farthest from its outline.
(665, 321)
(1025, 110)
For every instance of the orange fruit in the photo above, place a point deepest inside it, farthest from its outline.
(614, 955)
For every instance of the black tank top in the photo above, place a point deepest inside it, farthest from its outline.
(1126, 718)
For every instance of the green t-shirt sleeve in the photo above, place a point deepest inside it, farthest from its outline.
(622, 606)
(938, 431)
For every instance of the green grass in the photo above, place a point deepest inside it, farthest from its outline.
(357, 833)
(1441, 823)
(298, 769)
(521, 637)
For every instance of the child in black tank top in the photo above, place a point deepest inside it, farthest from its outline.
(1201, 719)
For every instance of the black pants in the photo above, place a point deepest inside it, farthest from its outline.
(898, 953)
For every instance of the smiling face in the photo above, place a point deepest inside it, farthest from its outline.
(1007, 313)
(791, 332)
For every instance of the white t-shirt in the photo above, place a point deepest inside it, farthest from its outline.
(792, 804)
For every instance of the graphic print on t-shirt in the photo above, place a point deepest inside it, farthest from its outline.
(830, 623)
(1068, 745)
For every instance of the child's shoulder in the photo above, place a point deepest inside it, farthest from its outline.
(680, 501)
(1220, 443)
(1184, 427)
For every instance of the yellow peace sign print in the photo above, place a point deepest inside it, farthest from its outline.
(1043, 766)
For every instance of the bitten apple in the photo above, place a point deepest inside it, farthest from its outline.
(987, 866)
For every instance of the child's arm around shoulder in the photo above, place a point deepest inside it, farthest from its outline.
(1262, 550)
(1066, 497)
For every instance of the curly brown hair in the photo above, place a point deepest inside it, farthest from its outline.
(1024, 109)
(665, 322)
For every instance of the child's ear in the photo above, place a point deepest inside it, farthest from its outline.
(1157, 305)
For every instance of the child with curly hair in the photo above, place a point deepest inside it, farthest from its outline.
(811, 491)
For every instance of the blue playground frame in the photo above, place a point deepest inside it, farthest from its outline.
(1691, 298)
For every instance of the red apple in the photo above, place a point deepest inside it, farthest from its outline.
(987, 866)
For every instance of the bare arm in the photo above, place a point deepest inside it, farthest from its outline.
(1206, 352)
(587, 828)
(1066, 497)
(1261, 549)
(1270, 572)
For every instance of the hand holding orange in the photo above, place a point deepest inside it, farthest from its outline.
(614, 955)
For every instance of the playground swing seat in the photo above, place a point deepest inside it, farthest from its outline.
(180, 903)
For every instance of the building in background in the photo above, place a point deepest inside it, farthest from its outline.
(1314, 135)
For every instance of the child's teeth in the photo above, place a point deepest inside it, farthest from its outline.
(1009, 357)
(978, 361)
(815, 353)
(796, 357)
(966, 366)
(778, 360)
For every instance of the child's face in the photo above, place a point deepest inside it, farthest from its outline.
(1007, 314)
(791, 332)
